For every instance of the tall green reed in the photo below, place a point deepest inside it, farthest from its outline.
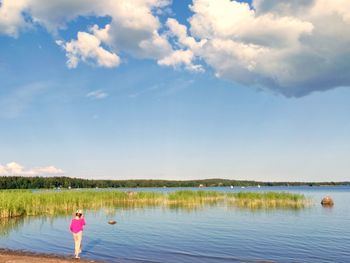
(14, 203)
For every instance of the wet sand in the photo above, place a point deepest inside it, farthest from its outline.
(11, 256)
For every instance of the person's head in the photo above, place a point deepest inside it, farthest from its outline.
(79, 213)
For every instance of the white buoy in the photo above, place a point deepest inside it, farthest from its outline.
(231, 186)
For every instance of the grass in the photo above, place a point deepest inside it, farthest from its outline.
(269, 200)
(15, 203)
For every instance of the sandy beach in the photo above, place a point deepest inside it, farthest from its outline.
(11, 256)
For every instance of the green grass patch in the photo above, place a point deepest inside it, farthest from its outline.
(268, 200)
(15, 203)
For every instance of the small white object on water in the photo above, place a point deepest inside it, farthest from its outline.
(231, 186)
(242, 187)
(259, 186)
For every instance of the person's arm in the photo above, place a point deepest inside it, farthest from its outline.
(71, 226)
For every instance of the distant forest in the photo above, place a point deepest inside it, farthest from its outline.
(19, 182)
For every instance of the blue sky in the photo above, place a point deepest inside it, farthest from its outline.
(138, 117)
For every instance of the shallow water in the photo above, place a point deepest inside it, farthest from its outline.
(207, 234)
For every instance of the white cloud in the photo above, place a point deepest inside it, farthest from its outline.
(88, 48)
(97, 94)
(15, 169)
(133, 29)
(291, 47)
(180, 58)
(283, 7)
(134, 23)
(11, 18)
(184, 56)
(54, 15)
(180, 32)
(275, 45)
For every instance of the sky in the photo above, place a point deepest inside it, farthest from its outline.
(190, 89)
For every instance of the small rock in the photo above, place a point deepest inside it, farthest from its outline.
(112, 222)
(327, 201)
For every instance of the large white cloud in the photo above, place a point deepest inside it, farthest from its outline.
(15, 169)
(133, 29)
(134, 26)
(290, 47)
(275, 44)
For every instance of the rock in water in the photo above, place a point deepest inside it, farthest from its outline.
(112, 222)
(327, 201)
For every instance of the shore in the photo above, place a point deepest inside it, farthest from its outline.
(12, 256)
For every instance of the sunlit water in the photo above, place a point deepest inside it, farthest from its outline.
(208, 234)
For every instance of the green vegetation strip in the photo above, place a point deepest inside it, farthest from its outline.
(14, 203)
(24, 182)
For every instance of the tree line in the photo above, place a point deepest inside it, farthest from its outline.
(19, 182)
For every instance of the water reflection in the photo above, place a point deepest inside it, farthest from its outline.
(257, 205)
(9, 224)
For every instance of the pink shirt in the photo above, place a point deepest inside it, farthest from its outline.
(77, 225)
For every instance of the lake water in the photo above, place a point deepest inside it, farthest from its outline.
(207, 234)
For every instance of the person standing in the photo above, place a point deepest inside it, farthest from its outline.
(77, 227)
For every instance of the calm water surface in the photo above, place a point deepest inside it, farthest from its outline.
(208, 234)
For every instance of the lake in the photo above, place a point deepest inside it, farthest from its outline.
(217, 233)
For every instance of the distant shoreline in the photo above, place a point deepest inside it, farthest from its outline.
(7, 255)
(21, 182)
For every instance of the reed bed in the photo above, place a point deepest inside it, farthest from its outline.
(194, 196)
(15, 203)
(269, 200)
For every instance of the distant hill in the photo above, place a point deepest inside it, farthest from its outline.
(19, 182)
